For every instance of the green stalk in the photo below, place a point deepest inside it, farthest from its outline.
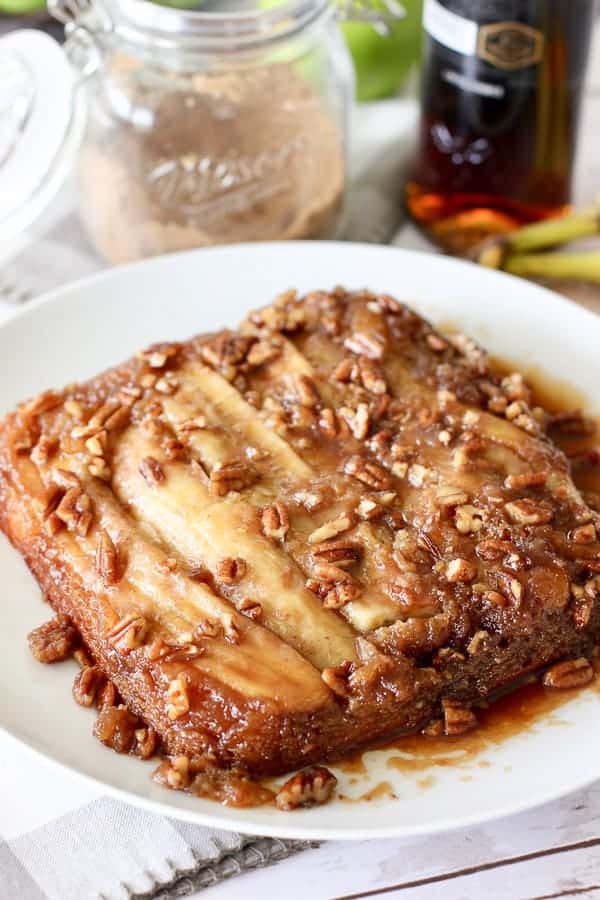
(577, 266)
(553, 232)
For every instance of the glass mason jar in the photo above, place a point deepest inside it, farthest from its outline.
(205, 127)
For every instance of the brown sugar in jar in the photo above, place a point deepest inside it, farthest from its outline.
(188, 149)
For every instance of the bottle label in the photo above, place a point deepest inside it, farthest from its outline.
(505, 45)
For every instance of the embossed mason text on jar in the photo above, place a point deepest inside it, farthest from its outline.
(212, 127)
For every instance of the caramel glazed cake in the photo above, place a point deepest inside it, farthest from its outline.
(270, 546)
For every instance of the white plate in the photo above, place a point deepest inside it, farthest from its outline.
(88, 326)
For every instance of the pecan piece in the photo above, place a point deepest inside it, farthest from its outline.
(358, 420)
(460, 570)
(336, 677)
(115, 727)
(306, 390)
(146, 742)
(234, 475)
(368, 472)
(340, 594)
(458, 719)
(231, 570)
(341, 553)
(310, 787)
(275, 521)
(331, 529)
(469, 519)
(178, 699)
(86, 685)
(75, 511)
(250, 608)
(371, 375)
(529, 512)
(107, 561)
(128, 634)
(569, 674)
(151, 471)
(584, 534)
(54, 640)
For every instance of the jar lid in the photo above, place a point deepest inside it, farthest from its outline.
(40, 126)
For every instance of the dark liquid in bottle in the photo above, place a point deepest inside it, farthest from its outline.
(498, 127)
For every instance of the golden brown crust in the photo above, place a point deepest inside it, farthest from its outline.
(288, 541)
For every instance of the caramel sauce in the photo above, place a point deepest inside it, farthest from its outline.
(382, 790)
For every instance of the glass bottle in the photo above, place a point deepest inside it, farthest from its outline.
(501, 92)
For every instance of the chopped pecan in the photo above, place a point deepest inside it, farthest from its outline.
(495, 598)
(75, 510)
(207, 628)
(178, 699)
(569, 674)
(340, 594)
(305, 390)
(44, 450)
(115, 727)
(54, 640)
(310, 787)
(365, 345)
(87, 683)
(526, 480)
(250, 608)
(584, 534)
(460, 570)
(96, 444)
(262, 352)
(107, 695)
(336, 677)
(458, 718)
(331, 529)
(129, 633)
(275, 521)
(107, 560)
(342, 553)
(529, 512)
(231, 570)
(231, 629)
(329, 573)
(146, 742)
(167, 383)
(358, 420)
(478, 642)
(75, 409)
(42, 404)
(368, 509)
(493, 548)
(469, 519)
(99, 468)
(368, 472)
(328, 423)
(234, 475)
(449, 496)
(371, 375)
(174, 773)
(151, 471)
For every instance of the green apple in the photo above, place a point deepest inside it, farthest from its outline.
(382, 63)
(20, 7)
